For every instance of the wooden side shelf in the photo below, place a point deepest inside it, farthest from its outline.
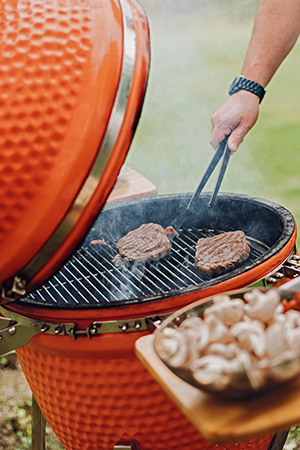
(131, 184)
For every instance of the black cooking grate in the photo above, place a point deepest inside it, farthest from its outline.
(91, 277)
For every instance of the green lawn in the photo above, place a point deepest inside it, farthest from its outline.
(197, 50)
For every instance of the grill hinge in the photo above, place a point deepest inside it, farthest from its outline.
(13, 292)
(16, 330)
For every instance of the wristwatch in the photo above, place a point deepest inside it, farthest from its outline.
(242, 83)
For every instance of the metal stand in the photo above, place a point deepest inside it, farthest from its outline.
(38, 424)
(279, 441)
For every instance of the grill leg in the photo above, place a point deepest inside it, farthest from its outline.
(124, 444)
(279, 441)
(38, 423)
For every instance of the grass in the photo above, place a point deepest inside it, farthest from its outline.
(15, 409)
(197, 50)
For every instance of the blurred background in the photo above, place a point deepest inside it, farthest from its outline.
(197, 48)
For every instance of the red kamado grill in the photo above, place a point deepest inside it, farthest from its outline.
(74, 88)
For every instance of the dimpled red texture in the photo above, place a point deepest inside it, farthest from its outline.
(92, 403)
(53, 71)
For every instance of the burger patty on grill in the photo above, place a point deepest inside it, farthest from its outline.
(222, 252)
(148, 242)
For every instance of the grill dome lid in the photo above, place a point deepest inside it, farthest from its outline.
(73, 78)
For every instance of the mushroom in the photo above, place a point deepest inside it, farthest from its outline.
(292, 319)
(228, 351)
(196, 332)
(173, 347)
(292, 328)
(261, 306)
(276, 339)
(251, 336)
(218, 331)
(214, 368)
(211, 369)
(227, 310)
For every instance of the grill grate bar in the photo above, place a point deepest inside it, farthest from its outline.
(105, 287)
(186, 267)
(156, 277)
(144, 272)
(47, 291)
(175, 269)
(63, 288)
(111, 290)
(72, 284)
(256, 248)
(184, 253)
(59, 292)
(170, 275)
(125, 277)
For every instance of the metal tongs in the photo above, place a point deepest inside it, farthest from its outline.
(223, 152)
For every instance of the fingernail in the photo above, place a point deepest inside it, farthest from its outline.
(233, 147)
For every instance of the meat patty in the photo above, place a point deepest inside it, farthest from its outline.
(149, 242)
(222, 252)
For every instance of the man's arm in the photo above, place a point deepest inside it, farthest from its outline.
(275, 32)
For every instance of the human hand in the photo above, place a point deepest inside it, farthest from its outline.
(236, 116)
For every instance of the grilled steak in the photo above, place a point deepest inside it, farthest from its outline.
(222, 252)
(148, 242)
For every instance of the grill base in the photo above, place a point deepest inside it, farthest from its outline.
(92, 403)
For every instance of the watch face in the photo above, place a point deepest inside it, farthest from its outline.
(236, 85)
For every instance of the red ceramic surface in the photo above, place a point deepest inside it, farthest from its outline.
(104, 394)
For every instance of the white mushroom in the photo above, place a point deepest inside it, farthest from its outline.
(250, 336)
(173, 347)
(227, 310)
(213, 363)
(276, 339)
(252, 326)
(292, 319)
(215, 368)
(292, 327)
(241, 362)
(211, 369)
(192, 322)
(196, 332)
(218, 331)
(261, 306)
(228, 351)
(279, 310)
